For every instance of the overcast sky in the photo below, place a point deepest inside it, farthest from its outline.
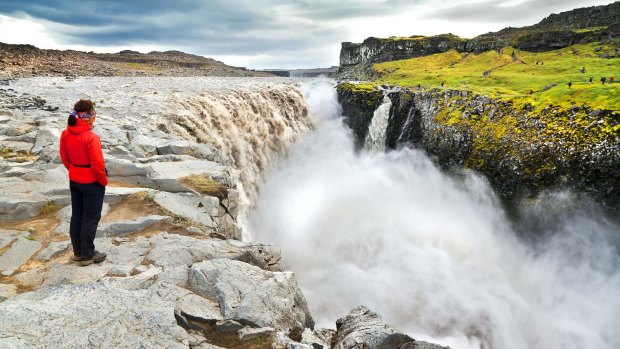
(257, 33)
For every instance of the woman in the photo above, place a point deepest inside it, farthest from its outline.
(80, 151)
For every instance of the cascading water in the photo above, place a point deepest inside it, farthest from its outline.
(375, 139)
(434, 255)
(250, 127)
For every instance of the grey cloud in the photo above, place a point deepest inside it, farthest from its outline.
(298, 30)
(492, 11)
(216, 27)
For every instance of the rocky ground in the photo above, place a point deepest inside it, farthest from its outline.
(28, 61)
(177, 274)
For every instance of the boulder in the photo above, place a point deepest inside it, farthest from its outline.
(252, 296)
(363, 328)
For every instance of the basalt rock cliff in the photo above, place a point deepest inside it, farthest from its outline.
(521, 152)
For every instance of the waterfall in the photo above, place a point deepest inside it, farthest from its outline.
(435, 255)
(375, 139)
(250, 127)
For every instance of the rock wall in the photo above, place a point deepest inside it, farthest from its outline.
(522, 153)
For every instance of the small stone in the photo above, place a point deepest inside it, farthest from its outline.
(7, 291)
(227, 326)
(140, 269)
(251, 333)
(120, 240)
(194, 230)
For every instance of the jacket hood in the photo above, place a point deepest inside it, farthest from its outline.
(80, 126)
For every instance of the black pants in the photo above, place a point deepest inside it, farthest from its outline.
(86, 205)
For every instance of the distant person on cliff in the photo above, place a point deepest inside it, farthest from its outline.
(80, 151)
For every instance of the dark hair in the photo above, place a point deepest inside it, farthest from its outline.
(84, 106)
(81, 106)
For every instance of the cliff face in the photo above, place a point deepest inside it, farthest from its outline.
(374, 50)
(554, 32)
(521, 153)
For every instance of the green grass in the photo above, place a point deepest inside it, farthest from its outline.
(522, 81)
(205, 185)
(49, 207)
(359, 87)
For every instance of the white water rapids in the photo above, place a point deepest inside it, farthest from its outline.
(435, 256)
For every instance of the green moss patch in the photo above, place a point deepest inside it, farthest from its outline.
(537, 78)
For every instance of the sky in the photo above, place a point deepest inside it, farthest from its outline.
(257, 34)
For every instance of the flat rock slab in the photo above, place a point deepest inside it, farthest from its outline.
(7, 237)
(90, 316)
(18, 254)
(24, 197)
(126, 227)
(184, 168)
(170, 250)
(53, 249)
(197, 208)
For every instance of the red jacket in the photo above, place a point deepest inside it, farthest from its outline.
(80, 146)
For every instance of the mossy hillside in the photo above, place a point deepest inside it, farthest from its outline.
(520, 76)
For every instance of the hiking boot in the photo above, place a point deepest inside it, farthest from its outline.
(97, 258)
(76, 258)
